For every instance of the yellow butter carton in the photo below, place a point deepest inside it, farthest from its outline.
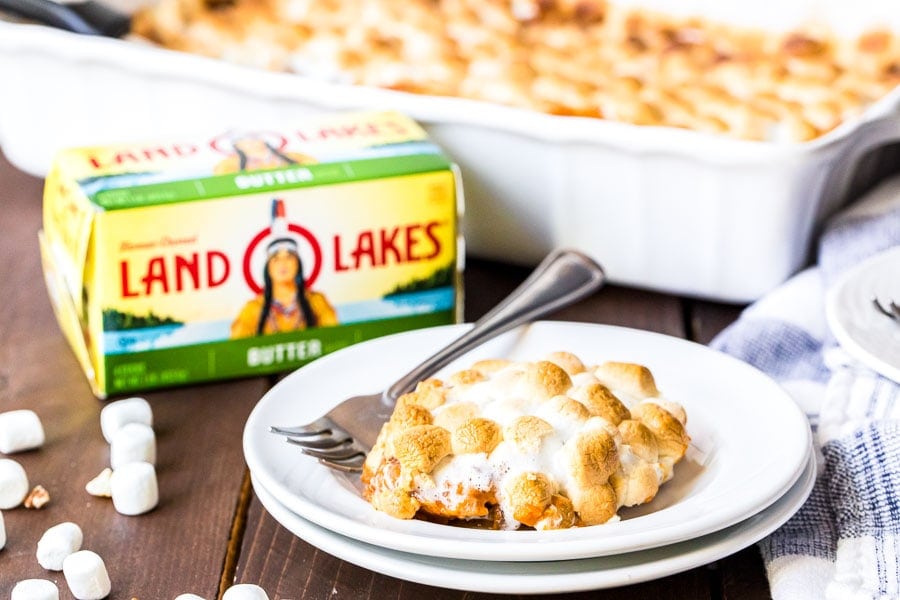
(249, 252)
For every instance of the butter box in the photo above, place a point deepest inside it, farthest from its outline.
(249, 252)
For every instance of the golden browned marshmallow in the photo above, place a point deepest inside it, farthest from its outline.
(559, 514)
(465, 377)
(528, 494)
(568, 408)
(570, 363)
(409, 398)
(583, 11)
(596, 504)
(452, 416)
(420, 448)
(675, 409)
(640, 440)
(592, 458)
(546, 379)
(631, 378)
(395, 502)
(476, 435)
(527, 432)
(489, 366)
(388, 491)
(429, 396)
(636, 486)
(407, 415)
(671, 437)
(601, 402)
(430, 393)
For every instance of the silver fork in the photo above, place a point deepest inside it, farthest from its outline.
(342, 437)
(891, 310)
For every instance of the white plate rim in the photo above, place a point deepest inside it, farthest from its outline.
(854, 320)
(552, 576)
(292, 482)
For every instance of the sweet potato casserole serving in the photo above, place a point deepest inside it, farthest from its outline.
(550, 444)
(568, 57)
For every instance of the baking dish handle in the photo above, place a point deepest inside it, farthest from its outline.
(872, 134)
(89, 17)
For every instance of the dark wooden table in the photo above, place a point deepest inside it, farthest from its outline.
(209, 530)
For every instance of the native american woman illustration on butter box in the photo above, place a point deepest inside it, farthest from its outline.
(286, 303)
(255, 152)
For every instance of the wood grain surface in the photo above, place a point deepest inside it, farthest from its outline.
(209, 530)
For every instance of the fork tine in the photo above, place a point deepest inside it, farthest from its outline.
(342, 452)
(350, 465)
(881, 308)
(332, 454)
(317, 427)
(322, 443)
(890, 310)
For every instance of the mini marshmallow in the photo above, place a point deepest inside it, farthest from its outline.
(2, 532)
(189, 597)
(116, 414)
(13, 483)
(35, 589)
(86, 575)
(99, 485)
(133, 442)
(57, 543)
(134, 489)
(20, 430)
(245, 591)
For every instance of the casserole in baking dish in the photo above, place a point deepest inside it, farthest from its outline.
(661, 206)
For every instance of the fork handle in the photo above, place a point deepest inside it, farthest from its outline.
(563, 277)
(86, 17)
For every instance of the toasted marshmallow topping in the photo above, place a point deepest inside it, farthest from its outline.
(783, 71)
(546, 444)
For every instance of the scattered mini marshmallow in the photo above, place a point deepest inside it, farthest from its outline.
(134, 489)
(2, 532)
(189, 597)
(245, 591)
(20, 430)
(133, 442)
(13, 483)
(35, 589)
(86, 575)
(57, 544)
(99, 485)
(130, 410)
(38, 497)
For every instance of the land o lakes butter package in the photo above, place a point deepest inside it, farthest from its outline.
(249, 252)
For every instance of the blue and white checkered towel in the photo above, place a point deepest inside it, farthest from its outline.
(844, 543)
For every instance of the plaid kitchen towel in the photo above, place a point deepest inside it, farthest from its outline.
(844, 543)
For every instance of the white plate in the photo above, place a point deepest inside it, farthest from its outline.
(862, 331)
(750, 443)
(554, 576)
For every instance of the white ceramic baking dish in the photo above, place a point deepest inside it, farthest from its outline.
(660, 208)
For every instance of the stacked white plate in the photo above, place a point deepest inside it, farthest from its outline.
(749, 468)
(862, 330)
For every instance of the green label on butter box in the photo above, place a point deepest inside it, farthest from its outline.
(266, 181)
